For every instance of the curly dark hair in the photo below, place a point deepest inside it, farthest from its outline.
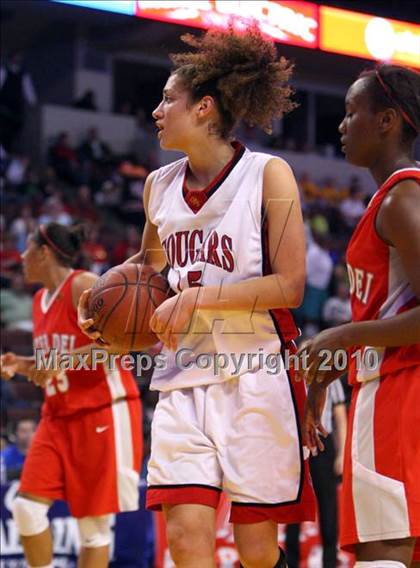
(393, 86)
(242, 72)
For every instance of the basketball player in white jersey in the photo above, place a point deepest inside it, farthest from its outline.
(228, 223)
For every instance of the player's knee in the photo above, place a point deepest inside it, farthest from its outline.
(30, 516)
(186, 542)
(257, 553)
(95, 532)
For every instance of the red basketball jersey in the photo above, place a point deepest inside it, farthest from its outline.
(55, 327)
(379, 288)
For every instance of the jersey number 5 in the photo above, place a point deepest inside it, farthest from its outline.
(194, 278)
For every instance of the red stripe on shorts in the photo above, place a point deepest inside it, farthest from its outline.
(181, 495)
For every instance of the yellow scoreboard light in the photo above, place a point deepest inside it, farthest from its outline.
(370, 37)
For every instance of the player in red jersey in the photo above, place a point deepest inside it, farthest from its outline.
(87, 448)
(381, 489)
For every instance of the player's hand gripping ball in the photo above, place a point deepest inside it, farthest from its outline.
(121, 303)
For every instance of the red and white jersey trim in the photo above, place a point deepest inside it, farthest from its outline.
(127, 476)
(379, 286)
(211, 239)
(46, 302)
(376, 497)
(55, 328)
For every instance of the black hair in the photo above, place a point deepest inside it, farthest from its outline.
(65, 242)
(393, 86)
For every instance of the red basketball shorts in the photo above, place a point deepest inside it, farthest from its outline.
(381, 487)
(90, 460)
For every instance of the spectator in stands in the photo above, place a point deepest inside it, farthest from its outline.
(319, 269)
(340, 271)
(93, 149)
(353, 207)
(132, 204)
(14, 455)
(32, 183)
(109, 195)
(87, 101)
(16, 89)
(337, 308)
(16, 305)
(63, 159)
(308, 188)
(16, 170)
(145, 145)
(326, 469)
(96, 158)
(9, 257)
(22, 226)
(94, 253)
(128, 246)
(319, 222)
(330, 194)
(54, 210)
(83, 208)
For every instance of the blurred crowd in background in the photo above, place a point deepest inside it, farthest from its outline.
(90, 183)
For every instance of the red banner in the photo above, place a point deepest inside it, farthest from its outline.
(287, 22)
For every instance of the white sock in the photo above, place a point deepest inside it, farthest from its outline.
(380, 564)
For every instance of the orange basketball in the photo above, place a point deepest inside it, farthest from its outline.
(123, 301)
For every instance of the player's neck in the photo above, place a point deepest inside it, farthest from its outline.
(54, 277)
(206, 160)
(389, 162)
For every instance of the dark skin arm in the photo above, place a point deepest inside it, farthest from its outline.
(398, 224)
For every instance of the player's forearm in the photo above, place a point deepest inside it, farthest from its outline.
(137, 258)
(85, 351)
(24, 364)
(403, 329)
(157, 260)
(256, 294)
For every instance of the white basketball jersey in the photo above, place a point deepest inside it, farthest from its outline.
(216, 237)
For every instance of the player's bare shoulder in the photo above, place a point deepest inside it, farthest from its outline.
(155, 178)
(279, 180)
(81, 282)
(147, 188)
(400, 209)
(405, 193)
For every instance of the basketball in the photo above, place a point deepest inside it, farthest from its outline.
(123, 301)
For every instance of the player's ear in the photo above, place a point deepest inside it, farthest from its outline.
(45, 252)
(387, 119)
(205, 106)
